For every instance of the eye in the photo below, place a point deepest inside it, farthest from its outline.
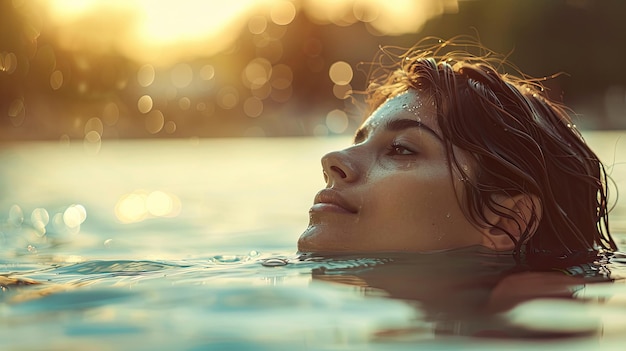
(401, 150)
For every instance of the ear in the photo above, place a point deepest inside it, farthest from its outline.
(513, 220)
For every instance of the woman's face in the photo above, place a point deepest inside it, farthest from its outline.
(393, 189)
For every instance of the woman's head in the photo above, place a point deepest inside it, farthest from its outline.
(518, 171)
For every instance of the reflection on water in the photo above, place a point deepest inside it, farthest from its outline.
(190, 244)
(161, 197)
(139, 205)
(472, 292)
(396, 303)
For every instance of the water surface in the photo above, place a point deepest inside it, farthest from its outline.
(190, 245)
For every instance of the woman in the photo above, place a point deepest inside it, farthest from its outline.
(458, 153)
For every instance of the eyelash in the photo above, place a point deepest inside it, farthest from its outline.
(395, 146)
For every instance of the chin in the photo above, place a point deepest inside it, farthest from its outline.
(307, 241)
(316, 239)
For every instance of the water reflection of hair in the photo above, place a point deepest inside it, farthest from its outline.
(523, 142)
(467, 291)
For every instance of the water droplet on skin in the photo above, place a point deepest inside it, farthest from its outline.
(404, 105)
(275, 262)
(448, 215)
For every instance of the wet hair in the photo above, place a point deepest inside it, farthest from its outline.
(523, 143)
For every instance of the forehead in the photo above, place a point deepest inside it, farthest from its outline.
(408, 105)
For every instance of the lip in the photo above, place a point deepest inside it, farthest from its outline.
(330, 200)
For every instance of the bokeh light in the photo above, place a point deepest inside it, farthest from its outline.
(145, 75)
(74, 216)
(92, 142)
(337, 121)
(181, 75)
(257, 73)
(17, 112)
(94, 124)
(43, 224)
(39, 219)
(226, 68)
(144, 104)
(207, 72)
(282, 76)
(110, 114)
(140, 205)
(228, 97)
(16, 215)
(56, 80)
(169, 127)
(340, 73)
(283, 12)
(253, 107)
(380, 17)
(184, 103)
(154, 121)
(257, 24)
(8, 62)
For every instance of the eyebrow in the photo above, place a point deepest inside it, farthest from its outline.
(395, 125)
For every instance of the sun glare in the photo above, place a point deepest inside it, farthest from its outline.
(71, 9)
(164, 31)
(170, 21)
(151, 31)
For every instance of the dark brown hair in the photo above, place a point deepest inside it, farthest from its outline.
(524, 143)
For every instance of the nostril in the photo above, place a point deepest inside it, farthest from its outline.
(339, 171)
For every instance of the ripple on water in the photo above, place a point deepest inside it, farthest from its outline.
(118, 267)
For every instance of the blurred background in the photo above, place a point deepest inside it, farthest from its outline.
(90, 70)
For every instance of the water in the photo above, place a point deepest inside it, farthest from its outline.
(190, 245)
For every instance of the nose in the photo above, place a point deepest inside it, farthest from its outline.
(339, 167)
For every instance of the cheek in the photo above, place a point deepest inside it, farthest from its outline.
(468, 171)
(420, 218)
(424, 198)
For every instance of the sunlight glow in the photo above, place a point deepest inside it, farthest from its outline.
(146, 30)
(72, 9)
(162, 32)
(381, 17)
(170, 21)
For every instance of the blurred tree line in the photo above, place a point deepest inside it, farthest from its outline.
(48, 92)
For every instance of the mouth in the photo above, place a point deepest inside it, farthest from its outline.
(330, 200)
